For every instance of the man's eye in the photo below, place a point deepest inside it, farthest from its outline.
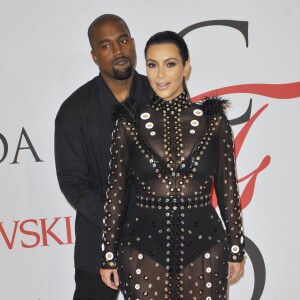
(123, 41)
(105, 46)
(151, 65)
(171, 64)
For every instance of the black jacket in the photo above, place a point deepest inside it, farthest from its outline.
(83, 129)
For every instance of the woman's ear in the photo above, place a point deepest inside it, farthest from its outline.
(187, 70)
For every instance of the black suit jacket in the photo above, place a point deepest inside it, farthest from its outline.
(83, 128)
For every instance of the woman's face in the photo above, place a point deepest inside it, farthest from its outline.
(165, 70)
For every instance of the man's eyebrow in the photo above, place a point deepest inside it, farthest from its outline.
(108, 40)
(124, 35)
(103, 41)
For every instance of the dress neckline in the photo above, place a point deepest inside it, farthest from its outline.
(178, 104)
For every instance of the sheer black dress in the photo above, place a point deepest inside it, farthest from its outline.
(173, 245)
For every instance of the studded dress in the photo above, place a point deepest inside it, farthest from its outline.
(173, 245)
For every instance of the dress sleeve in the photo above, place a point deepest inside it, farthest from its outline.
(227, 192)
(117, 196)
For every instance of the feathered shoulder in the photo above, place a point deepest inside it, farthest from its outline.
(213, 105)
(128, 110)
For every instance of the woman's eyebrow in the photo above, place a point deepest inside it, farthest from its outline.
(167, 59)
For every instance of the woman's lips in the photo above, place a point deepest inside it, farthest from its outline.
(162, 86)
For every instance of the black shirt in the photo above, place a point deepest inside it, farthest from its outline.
(83, 128)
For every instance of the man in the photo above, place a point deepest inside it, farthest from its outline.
(83, 128)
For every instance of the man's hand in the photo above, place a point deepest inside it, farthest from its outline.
(110, 277)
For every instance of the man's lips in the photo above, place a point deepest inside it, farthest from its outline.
(162, 86)
(121, 61)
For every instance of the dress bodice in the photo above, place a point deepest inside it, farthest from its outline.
(173, 152)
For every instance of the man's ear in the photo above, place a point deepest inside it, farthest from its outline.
(133, 42)
(94, 57)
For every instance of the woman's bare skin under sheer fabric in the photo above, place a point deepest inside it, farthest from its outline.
(173, 245)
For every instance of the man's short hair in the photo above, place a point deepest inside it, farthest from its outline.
(102, 20)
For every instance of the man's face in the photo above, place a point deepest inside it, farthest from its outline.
(113, 50)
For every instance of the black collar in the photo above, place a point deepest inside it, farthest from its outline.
(178, 104)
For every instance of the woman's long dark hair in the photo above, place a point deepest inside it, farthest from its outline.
(171, 37)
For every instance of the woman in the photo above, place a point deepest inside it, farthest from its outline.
(173, 246)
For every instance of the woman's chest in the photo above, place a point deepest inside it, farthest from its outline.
(174, 142)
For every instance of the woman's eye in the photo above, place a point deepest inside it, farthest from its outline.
(151, 65)
(171, 64)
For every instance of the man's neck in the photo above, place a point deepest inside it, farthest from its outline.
(119, 88)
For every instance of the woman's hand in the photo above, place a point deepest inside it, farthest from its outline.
(234, 270)
(110, 277)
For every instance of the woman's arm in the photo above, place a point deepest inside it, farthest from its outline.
(227, 192)
(118, 194)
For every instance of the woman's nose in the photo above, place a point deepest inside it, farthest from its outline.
(161, 72)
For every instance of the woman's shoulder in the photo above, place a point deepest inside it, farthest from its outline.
(126, 110)
(130, 110)
(212, 106)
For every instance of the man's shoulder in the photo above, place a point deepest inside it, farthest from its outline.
(75, 102)
(142, 79)
(144, 91)
(81, 94)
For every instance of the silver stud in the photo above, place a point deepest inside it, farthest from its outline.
(194, 123)
(109, 255)
(145, 116)
(149, 125)
(235, 249)
(198, 112)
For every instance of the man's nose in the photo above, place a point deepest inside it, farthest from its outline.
(117, 49)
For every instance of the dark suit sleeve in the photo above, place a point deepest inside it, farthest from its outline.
(72, 166)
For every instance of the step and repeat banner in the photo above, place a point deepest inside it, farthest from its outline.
(246, 51)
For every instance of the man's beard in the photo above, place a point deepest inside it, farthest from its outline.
(122, 75)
